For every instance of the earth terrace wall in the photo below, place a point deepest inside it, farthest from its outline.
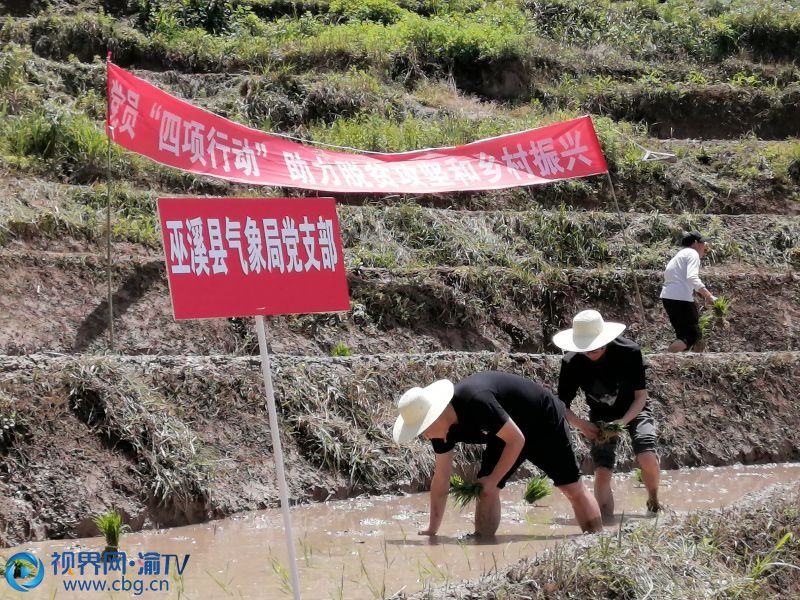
(58, 302)
(91, 432)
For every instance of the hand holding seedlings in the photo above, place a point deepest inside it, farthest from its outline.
(463, 492)
(608, 431)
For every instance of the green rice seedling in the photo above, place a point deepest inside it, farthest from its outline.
(637, 476)
(20, 567)
(609, 430)
(721, 307)
(282, 572)
(463, 492)
(111, 526)
(536, 489)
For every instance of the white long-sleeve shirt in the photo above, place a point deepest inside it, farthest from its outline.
(681, 277)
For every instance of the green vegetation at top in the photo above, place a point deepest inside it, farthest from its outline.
(399, 75)
(407, 34)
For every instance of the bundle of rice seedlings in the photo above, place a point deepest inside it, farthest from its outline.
(463, 492)
(637, 476)
(111, 526)
(21, 568)
(609, 430)
(536, 489)
(721, 307)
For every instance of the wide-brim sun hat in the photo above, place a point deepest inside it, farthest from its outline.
(589, 332)
(419, 407)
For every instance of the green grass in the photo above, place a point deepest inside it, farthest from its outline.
(609, 431)
(637, 476)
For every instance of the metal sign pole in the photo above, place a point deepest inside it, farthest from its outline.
(109, 266)
(277, 452)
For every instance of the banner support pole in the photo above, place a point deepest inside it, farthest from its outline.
(627, 250)
(277, 452)
(108, 248)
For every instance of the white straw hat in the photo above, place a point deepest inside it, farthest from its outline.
(589, 332)
(419, 407)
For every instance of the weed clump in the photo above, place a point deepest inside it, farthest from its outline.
(132, 415)
(13, 423)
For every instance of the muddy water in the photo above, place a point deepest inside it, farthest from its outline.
(369, 547)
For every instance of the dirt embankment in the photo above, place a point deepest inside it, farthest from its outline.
(175, 440)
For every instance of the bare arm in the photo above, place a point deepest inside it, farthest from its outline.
(440, 485)
(587, 428)
(693, 276)
(515, 441)
(639, 400)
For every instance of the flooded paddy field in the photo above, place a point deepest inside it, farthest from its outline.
(368, 547)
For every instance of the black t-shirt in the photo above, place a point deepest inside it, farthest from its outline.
(608, 384)
(485, 401)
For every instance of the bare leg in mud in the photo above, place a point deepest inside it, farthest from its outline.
(587, 513)
(651, 474)
(603, 493)
(487, 513)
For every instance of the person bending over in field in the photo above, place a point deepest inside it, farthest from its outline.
(516, 419)
(610, 371)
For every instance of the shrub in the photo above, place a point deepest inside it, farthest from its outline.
(214, 16)
(378, 11)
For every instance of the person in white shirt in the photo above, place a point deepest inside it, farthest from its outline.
(681, 282)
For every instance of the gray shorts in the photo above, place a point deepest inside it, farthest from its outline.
(643, 439)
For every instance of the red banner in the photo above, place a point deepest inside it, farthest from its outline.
(150, 122)
(237, 257)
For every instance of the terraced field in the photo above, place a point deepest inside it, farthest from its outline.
(165, 426)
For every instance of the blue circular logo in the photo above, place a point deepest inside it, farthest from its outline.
(18, 571)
